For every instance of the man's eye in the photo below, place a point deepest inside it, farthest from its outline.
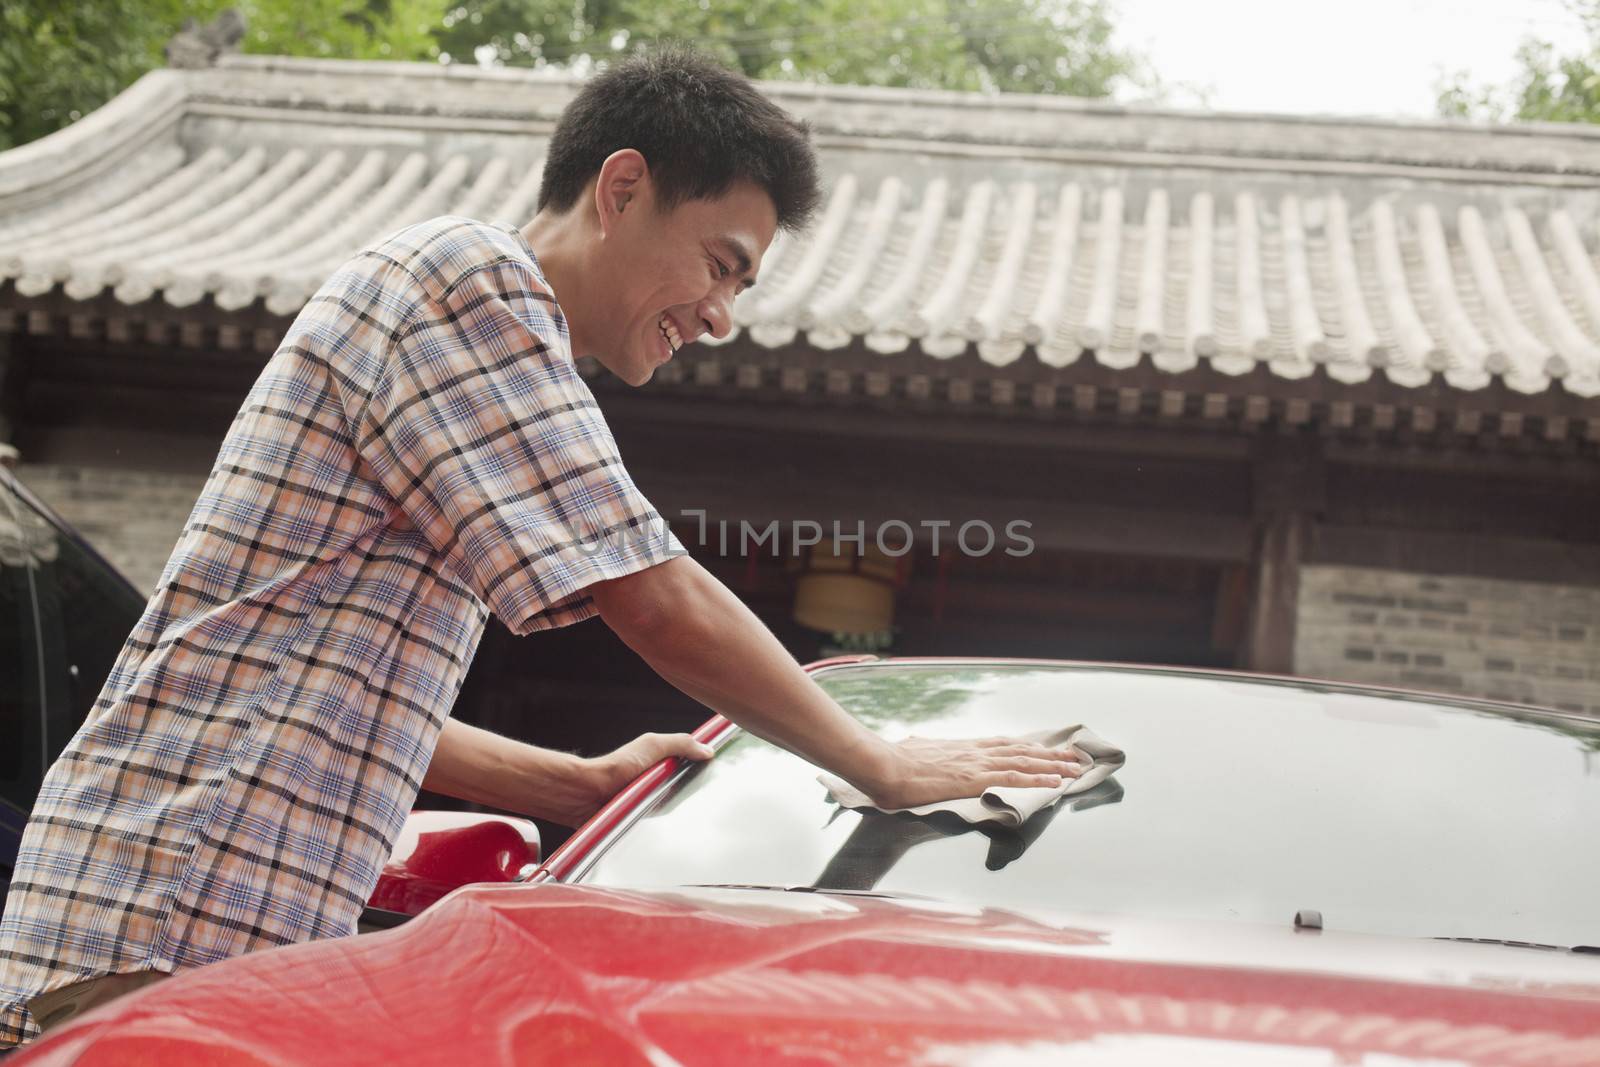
(722, 269)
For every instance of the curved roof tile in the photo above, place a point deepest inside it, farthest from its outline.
(1018, 227)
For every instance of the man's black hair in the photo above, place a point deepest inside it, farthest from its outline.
(699, 126)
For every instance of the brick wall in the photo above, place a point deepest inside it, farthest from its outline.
(1530, 642)
(133, 518)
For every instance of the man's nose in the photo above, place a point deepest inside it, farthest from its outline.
(716, 312)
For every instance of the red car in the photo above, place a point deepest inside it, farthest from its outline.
(1283, 873)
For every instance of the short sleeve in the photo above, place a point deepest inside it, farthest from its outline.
(482, 431)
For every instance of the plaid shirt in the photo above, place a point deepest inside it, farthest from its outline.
(420, 450)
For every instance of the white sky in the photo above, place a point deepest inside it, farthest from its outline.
(1368, 57)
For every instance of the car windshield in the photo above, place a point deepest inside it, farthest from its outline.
(1241, 799)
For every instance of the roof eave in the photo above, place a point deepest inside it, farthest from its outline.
(139, 114)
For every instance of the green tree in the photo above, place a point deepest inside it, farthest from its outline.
(1551, 85)
(60, 59)
(1043, 46)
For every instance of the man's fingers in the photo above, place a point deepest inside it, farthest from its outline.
(684, 746)
(1031, 765)
(1023, 748)
(1012, 746)
(1023, 780)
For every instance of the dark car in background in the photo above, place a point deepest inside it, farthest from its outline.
(64, 614)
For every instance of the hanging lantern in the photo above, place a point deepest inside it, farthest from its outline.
(847, 592)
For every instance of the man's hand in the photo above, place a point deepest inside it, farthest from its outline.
(476, 765)
(606, 775)
(926, 770)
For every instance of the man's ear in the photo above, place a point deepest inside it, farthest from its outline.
(622, 186)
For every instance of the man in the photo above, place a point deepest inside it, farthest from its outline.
(419, 451)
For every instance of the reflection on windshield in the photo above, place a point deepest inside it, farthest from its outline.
(1240, 799)
(880, 840)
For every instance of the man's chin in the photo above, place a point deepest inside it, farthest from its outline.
(635, 374)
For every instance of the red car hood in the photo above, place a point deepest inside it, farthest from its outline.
(572, 975)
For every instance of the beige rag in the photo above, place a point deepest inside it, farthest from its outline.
(1009, 806)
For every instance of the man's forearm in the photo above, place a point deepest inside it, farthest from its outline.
(704, 641)
(473, 764)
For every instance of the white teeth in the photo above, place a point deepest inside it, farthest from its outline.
(671, 332)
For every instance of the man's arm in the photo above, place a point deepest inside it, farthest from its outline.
(702, 639)
(473, 764)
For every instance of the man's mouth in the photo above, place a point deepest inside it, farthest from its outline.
(669, 334)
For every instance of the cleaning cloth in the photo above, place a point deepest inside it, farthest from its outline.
(1010, 806)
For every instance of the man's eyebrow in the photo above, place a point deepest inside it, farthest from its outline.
(737, 249)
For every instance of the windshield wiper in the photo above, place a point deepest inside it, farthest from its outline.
(1585, 949)
(807, 889)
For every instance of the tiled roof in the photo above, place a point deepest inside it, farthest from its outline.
(1022, 228)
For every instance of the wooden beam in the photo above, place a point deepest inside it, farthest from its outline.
(1016, 601)
(1232, 610)
(1054, 523)
(1288, 474)
(1289, 485)
(708, 372)
(1275, 595)
(1525, 559)
(637, 408)
(10, 388)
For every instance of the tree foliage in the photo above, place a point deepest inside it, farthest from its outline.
(1041, 46)
(1551, 85)
(60, 59)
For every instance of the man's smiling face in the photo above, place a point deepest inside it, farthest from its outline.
(674, 272)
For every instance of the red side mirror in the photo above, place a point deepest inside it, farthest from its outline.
(443, 850)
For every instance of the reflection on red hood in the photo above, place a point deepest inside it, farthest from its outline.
(564, 975)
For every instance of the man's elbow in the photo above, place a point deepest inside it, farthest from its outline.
(642, 606)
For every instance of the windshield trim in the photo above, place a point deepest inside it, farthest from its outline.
(580, 851)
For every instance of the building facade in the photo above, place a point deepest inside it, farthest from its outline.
(1299, 395)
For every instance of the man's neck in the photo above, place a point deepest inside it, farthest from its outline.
(560, 243)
